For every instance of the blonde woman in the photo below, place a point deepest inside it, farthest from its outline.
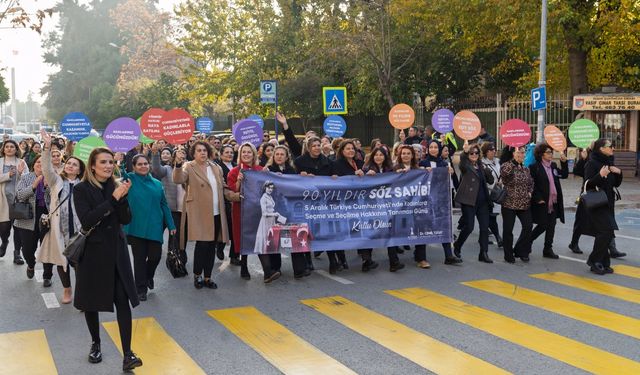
(103, 275)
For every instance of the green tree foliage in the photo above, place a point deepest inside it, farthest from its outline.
(4, 91)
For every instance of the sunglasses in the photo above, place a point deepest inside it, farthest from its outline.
(474, 153)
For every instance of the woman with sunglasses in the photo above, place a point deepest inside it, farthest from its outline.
(546, 202)
(601, 174)
(473, 197)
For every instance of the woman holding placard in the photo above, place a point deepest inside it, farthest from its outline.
(600, 174)
(378, 161)
(407, 161)
(473, 197)
(280, 162)
(547, 203)
(248, 160)
(347, 165)
(518, 183)
(434, 160)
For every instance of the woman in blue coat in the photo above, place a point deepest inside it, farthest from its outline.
(149, 215)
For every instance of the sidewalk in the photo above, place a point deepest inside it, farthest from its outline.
(629, 190)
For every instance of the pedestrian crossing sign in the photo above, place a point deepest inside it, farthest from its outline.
(334, 100)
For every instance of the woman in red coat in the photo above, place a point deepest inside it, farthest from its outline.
(248, 160)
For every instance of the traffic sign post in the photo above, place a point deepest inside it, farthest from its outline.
(269, 94)
(539, 98)
(334, 100)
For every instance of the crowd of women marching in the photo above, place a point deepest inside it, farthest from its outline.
(193, 191)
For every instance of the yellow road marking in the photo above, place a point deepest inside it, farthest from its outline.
(548, 343)
(159, 352)
(278, 345)
(579, 311)
(590, 285)
(26, 352)
(419, 348)
(628, 271)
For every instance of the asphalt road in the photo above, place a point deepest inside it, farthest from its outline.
(288, 327)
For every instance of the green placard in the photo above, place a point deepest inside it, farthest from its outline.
(583, 132)
(86, 145)
(146, 140)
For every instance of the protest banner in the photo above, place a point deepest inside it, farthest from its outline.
(583, 132)
(247, 131)
(466, 125)
(204, 125)
(554, 138)
(292, 213)
(442, 120)
(177, 126)
(122, 134)
(75, 126)
(150, 123)
(83, 148)
(401, 116)
(515, 133)
(334, 126)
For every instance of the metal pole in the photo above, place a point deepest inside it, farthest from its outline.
(14, 102)
(275, 119)
(543, 67)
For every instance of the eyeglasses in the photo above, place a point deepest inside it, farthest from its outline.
(549, 152)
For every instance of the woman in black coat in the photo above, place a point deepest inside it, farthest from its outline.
(346, 164)
(281, 163)
(103, 275)
(546, 200)
(600, 173)
(473, 197)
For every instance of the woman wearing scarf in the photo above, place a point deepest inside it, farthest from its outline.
(600, 173)
(546, 201)
(434, 160)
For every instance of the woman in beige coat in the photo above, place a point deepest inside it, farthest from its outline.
(63, 220)
(203, 208)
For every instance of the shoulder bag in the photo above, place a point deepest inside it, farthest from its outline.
(20, 210)
(75, 249)
(44, 224)
(593, 199)
(498, 193)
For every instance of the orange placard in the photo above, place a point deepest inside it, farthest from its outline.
(466, 125)
(401, 116)
(555, 138)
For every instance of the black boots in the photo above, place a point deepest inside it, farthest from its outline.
(130, 361)
(575, 248)
(95, 355)
(484, 257)
(613, 250)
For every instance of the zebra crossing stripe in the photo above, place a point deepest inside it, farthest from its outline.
(591, 285)
(552, 345)
(278, 345)
(574, 310)
(417, 347)
(159, 352)
(26, 352)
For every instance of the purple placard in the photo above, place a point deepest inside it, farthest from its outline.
(248, 131)
(442, 120)
(122, 134)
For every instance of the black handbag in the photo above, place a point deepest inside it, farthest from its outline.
(75, 249)
(174, 261)
(593, 199)
(44, 224)
(20, 210)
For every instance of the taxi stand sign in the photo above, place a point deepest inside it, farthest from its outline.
(268, 91)
(334, 100)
